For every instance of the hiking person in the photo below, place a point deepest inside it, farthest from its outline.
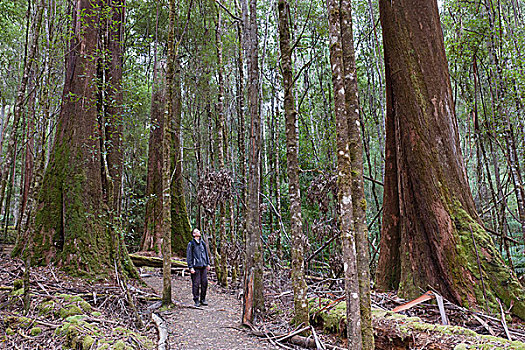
(199, 265)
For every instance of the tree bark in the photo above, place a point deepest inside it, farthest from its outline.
(31, 49)
(253, 269)
(356, 158)
(76, 200)
(345, 207)
(222, 272)
(152, 236)
(166, 163)
(292, 143)
(180, 223)
(429, 214)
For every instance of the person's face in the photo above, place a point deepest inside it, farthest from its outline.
(197, 234)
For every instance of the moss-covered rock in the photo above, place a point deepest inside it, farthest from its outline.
(461, 347)
(46, 307)
(75, 319)
(18, 283)
(119, 345)
(69, 298)
(84, 305)
(63, 329)
(70, 310)
(18, 322)
(35, 331)
(17, 292)
(72, 337)
(87, 342)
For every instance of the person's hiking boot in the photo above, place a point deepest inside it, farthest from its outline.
(197, 304)
(204, 303)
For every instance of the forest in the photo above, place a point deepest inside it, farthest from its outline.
(356, 169)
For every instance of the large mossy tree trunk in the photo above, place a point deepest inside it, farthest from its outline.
(432, 235)
(180, 222)
(152, 236)
(74, 222)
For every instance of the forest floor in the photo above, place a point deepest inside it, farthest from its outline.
(216, 326)
(71, 313)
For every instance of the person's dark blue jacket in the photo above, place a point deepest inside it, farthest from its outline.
(197, 254)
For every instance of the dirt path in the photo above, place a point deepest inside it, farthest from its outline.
(213, 327)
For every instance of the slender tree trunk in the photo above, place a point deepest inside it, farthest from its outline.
(166, 168)
(253, 302)
(344, 168)
(432, 234)
(222, 272)
(292, 142)
(498, 80)
(277, 181)
(241, 215)
(31, 48)
(114, 96)
(29, 161)
(356, 158)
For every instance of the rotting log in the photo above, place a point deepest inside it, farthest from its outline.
(153, 261)
(398, 332)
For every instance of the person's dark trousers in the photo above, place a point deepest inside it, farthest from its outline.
(199, 280)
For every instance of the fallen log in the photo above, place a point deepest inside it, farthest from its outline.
(153, 261)
(393, 331)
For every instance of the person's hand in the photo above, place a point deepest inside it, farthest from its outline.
(192, 270)
(208, 268)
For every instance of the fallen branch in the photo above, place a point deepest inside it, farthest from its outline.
(319, 345)
(163, 331)
(503, 322)
(305, 342)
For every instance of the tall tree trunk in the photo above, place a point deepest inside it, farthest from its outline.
(222, 272)
(356, 158)
(241, 215)
(292, 143)
(29, 161)
(253, 302)
(166, 161)
(432, 235)
(71, 223)
(152, 236)
(31, 48)
(180, 222)
(344, 168)
(114, 99)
